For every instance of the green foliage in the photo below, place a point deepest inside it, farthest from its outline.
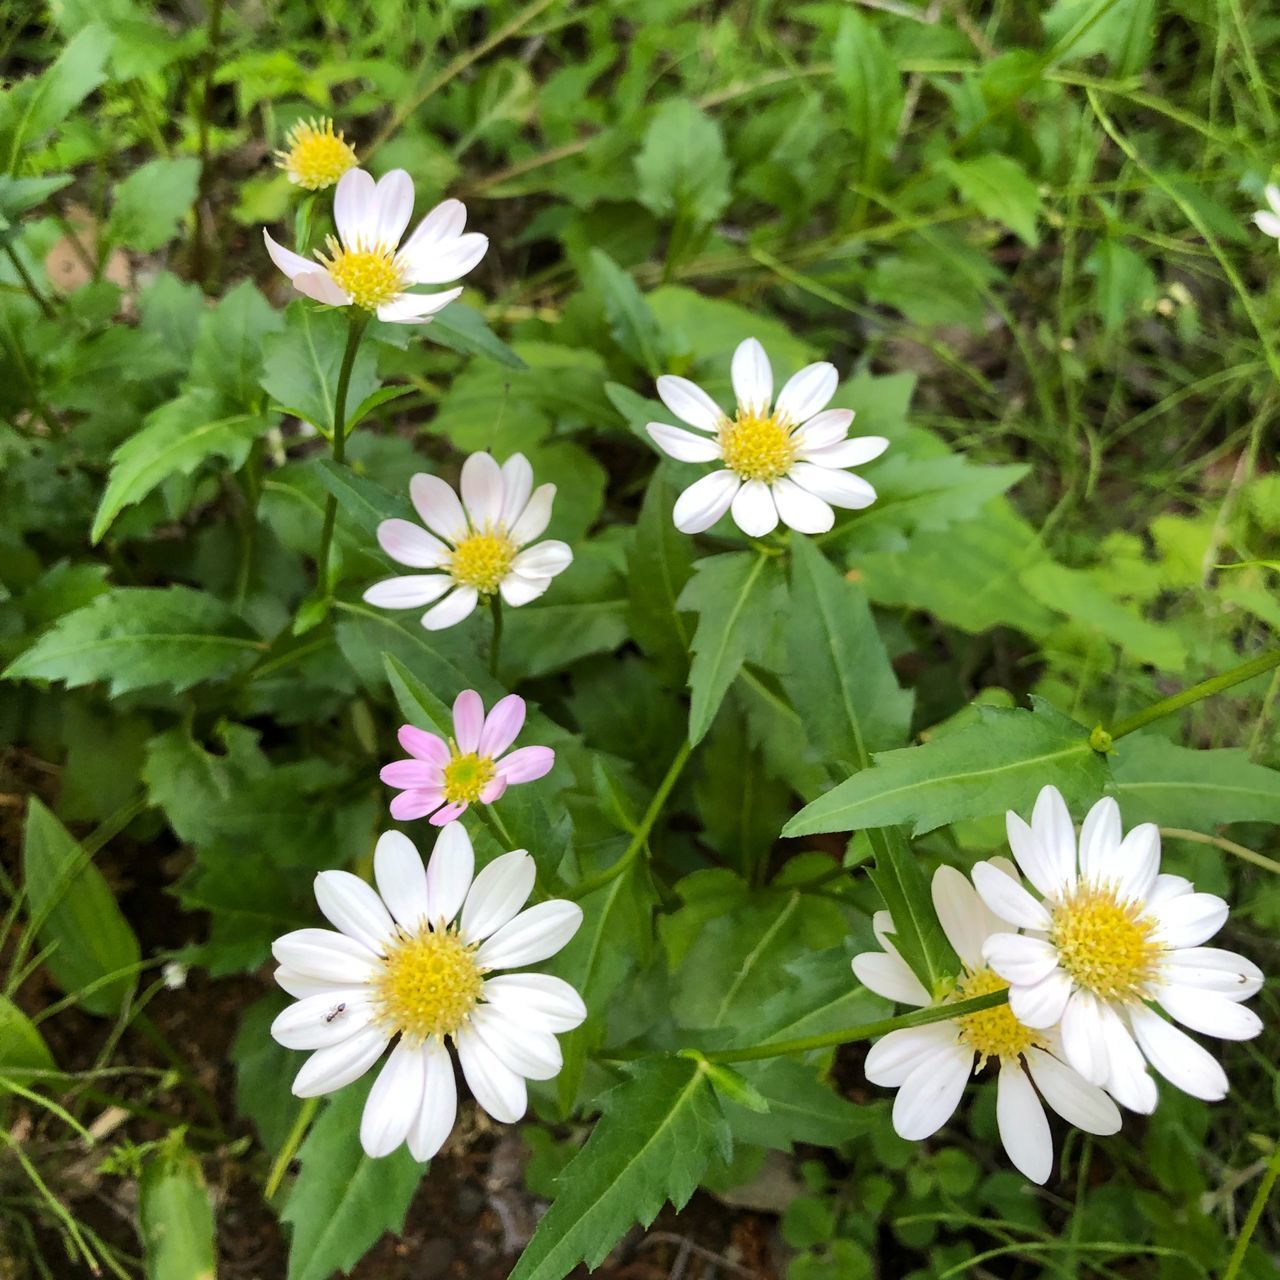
(176, 1216)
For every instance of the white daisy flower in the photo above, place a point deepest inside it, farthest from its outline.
(400, 966)
(930, 1066)
(484, 542)
(1268, 220)
(782, 460)
(366, 266)
(1108, 936)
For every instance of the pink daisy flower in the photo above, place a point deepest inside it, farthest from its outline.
(444, 778)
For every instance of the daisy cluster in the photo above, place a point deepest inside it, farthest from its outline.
(1101, 955)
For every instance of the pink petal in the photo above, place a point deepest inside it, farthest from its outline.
(468, 720)
(502, 725)
(446, 815)
(493, 790)
(423, 745)
(415, 804)
(527, 764)
(411, 775)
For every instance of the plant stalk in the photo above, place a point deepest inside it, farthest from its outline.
(355, 330)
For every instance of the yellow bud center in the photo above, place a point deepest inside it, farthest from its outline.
(429, 984)
(1105, 944)
(372, 275)
(992, 1033)
(757, 445)
(482, 560)
(466, 776)
(316, 156)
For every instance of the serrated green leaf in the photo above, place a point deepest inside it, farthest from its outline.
(151, 201)
(134, 637)
(800, 1107)
(174, 440)
(463, 329)
(738, 599)
(1174, 786)
(657, 1134)
(999, 762)
(362, 500)
(229, 341)
(682, 165)
(631, 322)
(343, 1200)
(175, 1216)
(75, 912)
(999, 186)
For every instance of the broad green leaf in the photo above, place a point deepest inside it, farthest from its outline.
(17, 195)
(999, 762)
(867, 75)
(151, 201)
(1173, 786)
(838, 674)
(229, 344)
(175, 439)
(134, 637)
(24, 1056)
(631, 322)
(820, 998)
(463, 329)
(1124, 284)
(75, 913)
(343, 1201)
(362, 500)
(682, 167)
(802, 1107)
(999, 186)
(738, 598)
(300, 365)
(658, 1132)
(175, 1216)
(418, 704)
(264, 1072)
(659, 566)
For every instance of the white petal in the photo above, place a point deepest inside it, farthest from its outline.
(402, 880)
(1267, 223)
(292, 264)
(1083, 1041)
(438, 506)
(1127, 1079)
(1024, 1127)
(846, 453)
(1176, 1056)
(533, 935)
(517, 486)
(690, 403)
(840, 488)
(340, 1064)
(321, 286)
(412, 308)
(1019, 960)
(392, 207)
(753, 509)
(705, 501)
(895, 1056)
(1042, 1004)
(1189, 919)
(829, 427)
(518, 590)
(321, 953)
(456, 606)
(536, 999)
(808, 392)
(889, 976)
(960, 913)
(499, 891)
(801, 510)
(446, 221)
(450, 260)
(529, 1053)
(536, 516)
(683, 445)
(543, 559)
(1100, 837)
(438, 1106)
(409, 591)
(482, 490)
(1212, 969)
(1210, 1014)
(302, 985)
(353, 207)
(393, 1102)
(930, 1094)
(1008, 899)
(1076, 1100)
(1137, 862)
(496, 1087)
(1032, 860)
(408, 544)
(752, 376)
(1168, 887)
(1272, 193)
(354, 907)
(449, 872)
(1056, 837)
(318, 1021)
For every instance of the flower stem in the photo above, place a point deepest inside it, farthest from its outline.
(306, 1114)
(1265, 1188)
(1205, 689)
(356, 328)
(495, 646)
(199, 249)
(868, 1030)
(29, 284)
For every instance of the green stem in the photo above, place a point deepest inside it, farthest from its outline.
(25, 276)
(306, 1114)
(355, 329)
(867, 1031)
(1265, 1187)
(495, 648)
(641, 836)
(199, 253)
(1205, 689)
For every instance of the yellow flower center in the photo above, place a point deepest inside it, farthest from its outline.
(482, 560)
(429, 984)
(465, 777)
(1105, 944)
(372, 275)
(757, 445)
(992, 1033)
(316, 157)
